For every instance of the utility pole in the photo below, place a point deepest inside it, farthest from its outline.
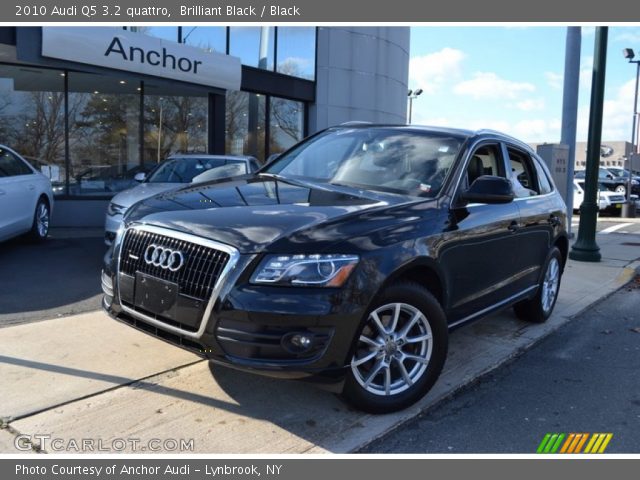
(570, 107)
(586, 249)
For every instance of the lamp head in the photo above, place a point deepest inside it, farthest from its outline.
(628, 53)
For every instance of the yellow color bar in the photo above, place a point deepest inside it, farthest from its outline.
(606, 441)
(594, 437)
(596, 445)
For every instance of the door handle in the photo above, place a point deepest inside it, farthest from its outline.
(32, 187)
(513, 227)
(2, 192)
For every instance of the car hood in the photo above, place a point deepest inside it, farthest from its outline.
(132, 195)
(257, 213)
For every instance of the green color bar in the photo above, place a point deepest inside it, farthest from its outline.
(552, 440)
(556, 446)
(543, 443)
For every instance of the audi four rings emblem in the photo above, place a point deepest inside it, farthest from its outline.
(164, 257)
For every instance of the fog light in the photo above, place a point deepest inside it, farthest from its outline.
(298, 342)
(301, 341)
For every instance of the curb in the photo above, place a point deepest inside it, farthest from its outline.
(627, 274)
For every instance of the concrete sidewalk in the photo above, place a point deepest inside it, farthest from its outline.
(87, 376)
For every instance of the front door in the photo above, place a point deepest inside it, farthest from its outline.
(478, 255)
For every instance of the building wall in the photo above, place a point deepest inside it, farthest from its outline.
(362, 74)
(621, 151)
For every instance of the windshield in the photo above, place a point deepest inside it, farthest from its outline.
(408, 162)
(183, 169)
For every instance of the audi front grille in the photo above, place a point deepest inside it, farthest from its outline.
(196, 277)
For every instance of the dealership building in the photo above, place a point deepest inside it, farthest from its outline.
(92, 106)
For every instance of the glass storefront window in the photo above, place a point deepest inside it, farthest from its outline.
(245, 124)
(174, 124)
(210, 39)
(297, 51)
(253, 45)
(32, 118)
(166, 33)
(103, 134)
(286, 124)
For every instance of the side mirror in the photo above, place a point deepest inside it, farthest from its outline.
(489, 189)
(609, 176)
(140, 176)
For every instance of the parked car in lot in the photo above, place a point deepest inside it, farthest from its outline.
(175, 172)
(607, 200)
(611, 181)
(26, 198)
(348, 259)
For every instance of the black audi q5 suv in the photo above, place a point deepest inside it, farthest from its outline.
(348, 259)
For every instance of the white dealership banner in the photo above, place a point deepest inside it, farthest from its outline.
(135, 52)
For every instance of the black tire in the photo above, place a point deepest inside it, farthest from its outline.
(41, 220)
(413, 300)
(533, 310)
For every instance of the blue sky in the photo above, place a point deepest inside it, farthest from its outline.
(510, 79)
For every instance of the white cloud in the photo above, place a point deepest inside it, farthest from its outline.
(537, 130)
(490, 85)
(530, 105)
(628, 37)
(616, 116)
(431, 71)
(588, 31)
(554, 80)
(586, 72)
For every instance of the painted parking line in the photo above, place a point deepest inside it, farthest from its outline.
(613, 228)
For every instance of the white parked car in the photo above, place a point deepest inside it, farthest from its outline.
(26, 198)
(175, 172)
(607, 200)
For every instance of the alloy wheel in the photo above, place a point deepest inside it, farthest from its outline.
(42, 220)
(550, 284)
(393, 350)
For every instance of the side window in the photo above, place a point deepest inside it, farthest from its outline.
(543, 179)
(486, 160)
(11, 166)
(523, 175)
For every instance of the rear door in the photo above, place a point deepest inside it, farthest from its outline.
(539, 214)
(478, 255)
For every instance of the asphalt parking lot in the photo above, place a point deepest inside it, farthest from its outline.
(56, 278)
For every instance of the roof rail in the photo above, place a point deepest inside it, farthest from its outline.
(355, 122)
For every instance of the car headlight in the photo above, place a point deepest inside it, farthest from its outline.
(115, 209)
(305, 270)
(634, 182)
(603, 198)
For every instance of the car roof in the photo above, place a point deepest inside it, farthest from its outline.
(461, 132)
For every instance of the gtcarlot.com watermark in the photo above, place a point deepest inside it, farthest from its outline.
(50, 443)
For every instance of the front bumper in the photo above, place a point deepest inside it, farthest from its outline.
(252, 328)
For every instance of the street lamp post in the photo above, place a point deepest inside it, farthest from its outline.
(629, 209)
(413, 94)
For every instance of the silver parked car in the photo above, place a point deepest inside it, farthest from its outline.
(26, 198)
(174, 172)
